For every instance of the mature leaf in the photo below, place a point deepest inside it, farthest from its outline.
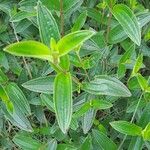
(26, 142)
(146, 132)
(103, 141)
(52, 145)
(128, 21)
(79, 22)
(40, 85)
(47, 25)
(17, 118)
(105, 85)
(87, 144)
(18, 98)
(29, 49)
(72, 40)
(21, 15)
(63, 100)
(127, 128)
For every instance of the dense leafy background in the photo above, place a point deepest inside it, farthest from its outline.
(110, 66)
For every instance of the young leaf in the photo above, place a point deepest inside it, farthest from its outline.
(105, 85)
(47, 25)
(63, 100)
(142, 82)
(100, 104)
(126, 128)
(146, 132)
(29, 49)
(128, 21)
(137, 65)
(100, 139)
(40, 85)
(5, 98)
(79, 22)
(72, 40)
(95, 104)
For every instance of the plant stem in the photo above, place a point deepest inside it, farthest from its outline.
(132, 119)
(61, 18)
(24, 60)
(109, 23)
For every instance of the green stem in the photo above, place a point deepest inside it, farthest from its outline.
(61, 18)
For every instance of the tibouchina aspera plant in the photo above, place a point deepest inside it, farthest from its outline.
(81, 78)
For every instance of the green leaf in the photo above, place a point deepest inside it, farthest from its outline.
(126, 128)
(72, 40)
(105, 85)
(40, 85)
(47, 100)
(142, 82)
(47, 25)
(26, 142)
(137, 65)
(87, 144)
(3, 77)
(17, 118)
(63, 100)
(116, 34)
(103, 142)
(52, 145)
(100, 104)
(95, 104)
(29, 49)
(128, 21)
(5, 98)
(146, 132)
(65, 62)
(21, 15)
(18, 98)
(82, 110)
(79, 22)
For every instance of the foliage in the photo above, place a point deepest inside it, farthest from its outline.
(80, 80)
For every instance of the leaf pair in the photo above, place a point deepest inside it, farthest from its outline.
(39, 50)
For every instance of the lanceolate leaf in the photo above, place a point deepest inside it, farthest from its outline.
(29, 49)
(63, 100)
(72, 40)
(95, 104)
(137, 65)
(126, 128)
(142, 82)
(146, 132)
(18, 98)
(100, 139)
(47, 25)
(40, 85)
(128, 21)
(79, 22)
(105, 85)
(26, 142)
